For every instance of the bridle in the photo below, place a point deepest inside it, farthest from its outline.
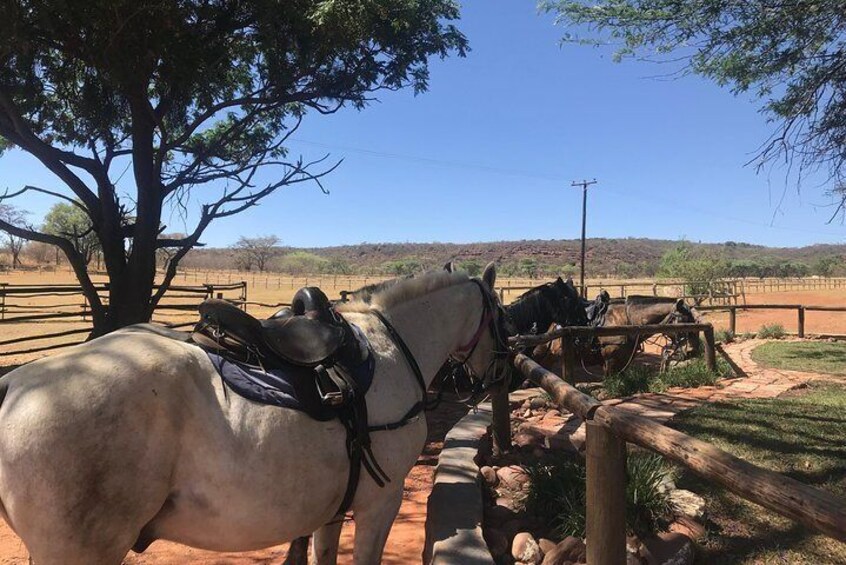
(493, 318)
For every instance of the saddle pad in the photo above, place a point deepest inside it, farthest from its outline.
(289, 386)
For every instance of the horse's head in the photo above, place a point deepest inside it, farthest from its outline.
(484, 356)
(569, 308)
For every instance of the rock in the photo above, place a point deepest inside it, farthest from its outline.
(506, 502)
(489, 475)
(688, 504)
(523, 439)
(546, 545)
(570, 549)
(497, 542)
(537, 402)
(524, 548)
(527, 413)
(512, 477)
(552, 414)
(688, 527)
(669, 548)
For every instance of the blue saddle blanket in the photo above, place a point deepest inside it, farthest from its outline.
(291, 386)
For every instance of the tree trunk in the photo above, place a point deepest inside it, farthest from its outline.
(129, 303)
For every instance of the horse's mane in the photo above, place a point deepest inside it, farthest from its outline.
(529, 307)
(365, 293)
(399, 291)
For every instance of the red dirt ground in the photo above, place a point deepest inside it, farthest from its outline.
(405, 543)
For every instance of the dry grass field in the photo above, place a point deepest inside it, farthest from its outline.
(267, 292)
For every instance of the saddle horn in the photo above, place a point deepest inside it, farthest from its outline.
(311, 300)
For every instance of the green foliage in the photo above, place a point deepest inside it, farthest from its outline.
(471, 266)
(724, 336)
(72, 222)
(403, 267)
(639, 378)
(336, 266)
(301, 263)
(788, 54)
(830, 265)
(695, 266)
(557, 494)
(771, 331)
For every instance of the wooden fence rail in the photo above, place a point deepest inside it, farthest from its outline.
(606, 539)
(800, 312)
(11, 313)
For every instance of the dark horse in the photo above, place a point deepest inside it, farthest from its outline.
(557, 302)
(614, 353)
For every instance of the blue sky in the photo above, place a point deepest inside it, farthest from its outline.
(490, 151)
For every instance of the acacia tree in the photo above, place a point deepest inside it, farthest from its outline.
(16, 244)
(791, 55)
(184, 96)
(255, 251)
(69, 220)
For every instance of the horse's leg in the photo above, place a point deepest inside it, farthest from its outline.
(372, 525)
(324, 548)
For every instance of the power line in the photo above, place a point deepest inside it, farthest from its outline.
(663, 200)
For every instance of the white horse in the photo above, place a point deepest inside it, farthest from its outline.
(131, 438)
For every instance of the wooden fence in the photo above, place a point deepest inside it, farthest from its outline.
(67, 303)
(800, 314)
(609, 429)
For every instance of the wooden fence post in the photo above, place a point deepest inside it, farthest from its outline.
(568, 360)
(801, 325)
(500, 420)
(710, 353)
(733, 320)
(3, 300)
(606, 496)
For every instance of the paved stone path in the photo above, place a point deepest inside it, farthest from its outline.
(565, 431)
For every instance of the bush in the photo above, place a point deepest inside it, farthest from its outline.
(639, 378)
(557, 494)
(771, 331)
(724, 336)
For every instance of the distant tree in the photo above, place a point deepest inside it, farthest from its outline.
(39, 253)
(196, 99)
(402, 267)
(302, 263)
(70, 221)
(528, 267)
(790, 55)
(471, 266)
(697, 268)
(337, 266)
(13, 216)
(256, 251)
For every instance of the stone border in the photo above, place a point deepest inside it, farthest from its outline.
(454, 509)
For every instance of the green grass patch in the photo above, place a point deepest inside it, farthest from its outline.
(724, 336)
(557, 494)
(640, 378)
(817, 356)
(771, 331)
(800, 436)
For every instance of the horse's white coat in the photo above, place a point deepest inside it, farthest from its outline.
(132, 436)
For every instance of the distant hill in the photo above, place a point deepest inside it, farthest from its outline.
(630, 257)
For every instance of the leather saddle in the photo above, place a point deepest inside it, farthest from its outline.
(307, 334)
(597, 309)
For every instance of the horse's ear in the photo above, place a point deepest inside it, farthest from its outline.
(680, 305)
(559, 280)
(449, 267)
(489, 276)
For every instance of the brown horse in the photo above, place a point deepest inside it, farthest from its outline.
(614, 353)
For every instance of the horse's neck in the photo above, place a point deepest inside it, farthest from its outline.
(648, 313)
(437, 324)
(527, 313)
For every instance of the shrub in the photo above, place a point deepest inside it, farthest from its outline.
(724, 336)
(771, 331)
(639, 378)
(635, 379)
(557, 494)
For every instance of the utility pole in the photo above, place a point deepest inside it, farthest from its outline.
(584, 184)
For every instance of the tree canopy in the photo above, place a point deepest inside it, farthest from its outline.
(791, 55)
(70, 221)
(185, 94)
